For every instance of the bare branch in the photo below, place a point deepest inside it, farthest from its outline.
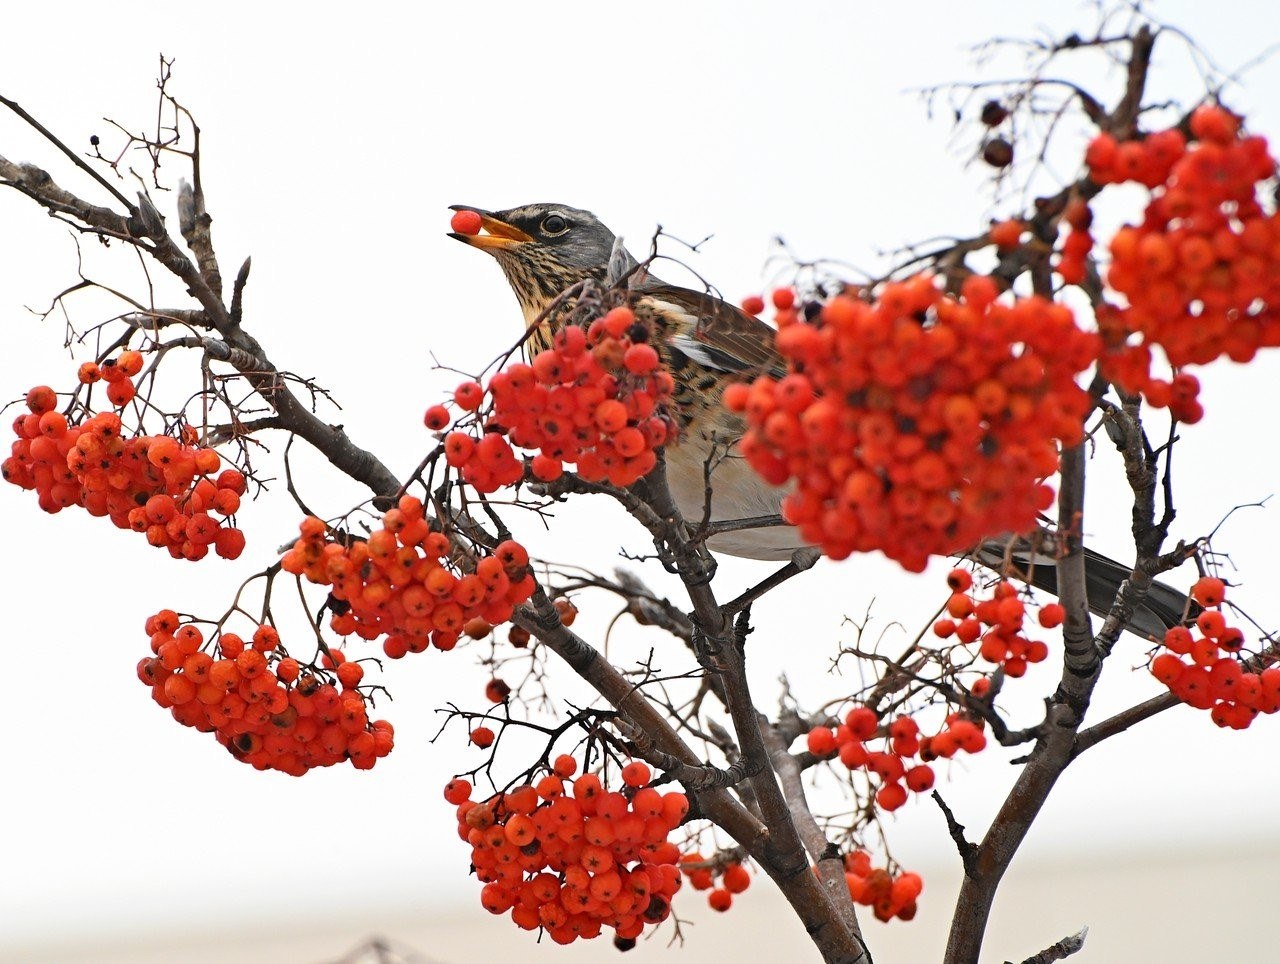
(1061, 950)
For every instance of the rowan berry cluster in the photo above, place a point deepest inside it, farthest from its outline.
(597, 397)
(1003, 614)
(570, 857)
(917, 437)
(1201, 665)
(118, 374)
(167, 489)
(889, 895)
(1201, 273)
(400, 582)
(1078, 244)
(703, 874)
(895, 765)
(265, 707)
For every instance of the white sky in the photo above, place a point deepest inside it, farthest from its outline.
(335, 139)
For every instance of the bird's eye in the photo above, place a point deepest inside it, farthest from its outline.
(554, 224)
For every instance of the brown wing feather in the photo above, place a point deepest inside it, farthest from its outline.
(745, 343)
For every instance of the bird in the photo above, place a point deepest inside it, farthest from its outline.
(544, 249)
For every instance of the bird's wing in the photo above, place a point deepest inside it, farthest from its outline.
(715, 333)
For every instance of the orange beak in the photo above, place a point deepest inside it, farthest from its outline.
(499, 236)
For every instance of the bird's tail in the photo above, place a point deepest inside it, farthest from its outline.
(1162, 608)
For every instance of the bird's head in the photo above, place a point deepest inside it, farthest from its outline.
(542, 249)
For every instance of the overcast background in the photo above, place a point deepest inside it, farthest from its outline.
(335, 137)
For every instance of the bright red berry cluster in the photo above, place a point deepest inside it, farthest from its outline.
(889, 895)
(1201, 273)
(1003, 615)
(260, 703)
(1201, 665)
(702, 874)
(157, 485)
(1078, 243)
(895, 765)
(400, 583)
(118, 374)
(596, 397)
(570, 857)
(919, 423)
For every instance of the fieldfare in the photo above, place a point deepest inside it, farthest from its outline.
(706, 343)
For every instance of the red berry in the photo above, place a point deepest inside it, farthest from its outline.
(1209, 591)
(497, 690)
(457, 790)
(468, 395)
(636, 774)
(465, 222)
(736, 879)
(891, 796)
(1052, 615)
(436, 418)
(821, 741)
(640, 359)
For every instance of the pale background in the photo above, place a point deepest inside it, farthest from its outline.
(335, 138)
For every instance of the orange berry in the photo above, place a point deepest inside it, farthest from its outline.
(350, 675)
(496, 690)
(1209, 591)
(821, 742)
(465, 222)
(468, 396)
(130, 362)
(42, 399)
(735, 879)
(640, 359)
(1006, 234)
(720, 900)
(179, 689)
(636, 774)
(436, 418)
(121, 392)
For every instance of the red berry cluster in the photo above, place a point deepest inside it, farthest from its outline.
(399, 582)
(918, 437)
(1078, 243)
(1003, 615)
(260, 703)
(702, 874)
(117, 372)
(894, 765)
(890, 895)
(1201, 273)
(151, 484)
(596, 397)
(1201, 665)
(570, 857)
